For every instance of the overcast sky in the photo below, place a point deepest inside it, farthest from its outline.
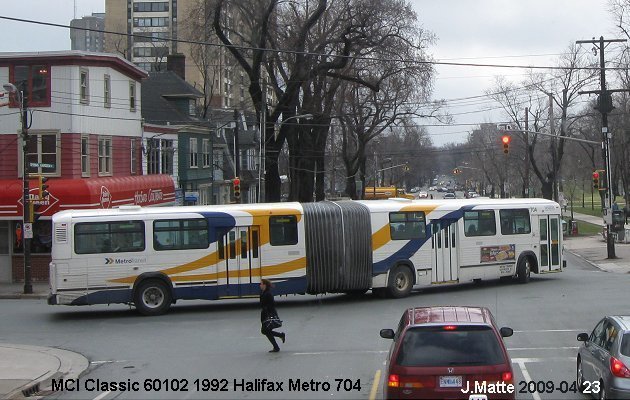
(474, 31)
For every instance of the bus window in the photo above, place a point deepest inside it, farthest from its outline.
(479, 223)
(243, 244)
(515, 222)
(108, 237)
(232, 244)
(221, 246)
(180, 234)
(254, 242)
(407, 225)
(283, 230)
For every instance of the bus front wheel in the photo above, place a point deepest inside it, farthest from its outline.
(400, 282)
(152, 297)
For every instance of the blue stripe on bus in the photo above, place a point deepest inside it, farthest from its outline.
(409, 249)
(219, 222)
(296, 285)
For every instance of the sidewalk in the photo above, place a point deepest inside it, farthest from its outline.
(27, 370)
(593, 248)
(16, 291)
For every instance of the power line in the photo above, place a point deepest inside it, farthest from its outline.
(295, 52)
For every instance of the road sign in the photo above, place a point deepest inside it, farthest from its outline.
(40, 165)
(28, 230)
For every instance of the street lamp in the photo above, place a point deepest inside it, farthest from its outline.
(27, 225)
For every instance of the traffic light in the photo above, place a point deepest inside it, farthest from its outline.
(603, 184)
(506, 143)
(595, 180)
(236, 182)
(33, 209)
(42, 187)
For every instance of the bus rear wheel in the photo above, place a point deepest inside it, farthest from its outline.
(152, 297)
(523, 270)
(400, 282)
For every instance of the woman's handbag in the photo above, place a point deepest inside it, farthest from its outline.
(272, 322)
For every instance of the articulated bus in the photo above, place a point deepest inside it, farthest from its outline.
(151, 257)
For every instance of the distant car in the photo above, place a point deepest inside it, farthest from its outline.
(438, 351)
(449, 196)
(432, 188)
(604, 358)
(450, 190)
(414, 189)
(423, 195)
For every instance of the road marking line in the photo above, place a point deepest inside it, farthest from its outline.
(108, 361)
(316, 353)
(542, 348)
(538, 360)
(102, 395)
(551, 330)
(528, 378)
(377, 378)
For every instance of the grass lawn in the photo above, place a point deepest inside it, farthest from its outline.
(597, 212)
(586, 229)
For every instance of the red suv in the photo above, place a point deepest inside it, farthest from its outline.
(448, 353)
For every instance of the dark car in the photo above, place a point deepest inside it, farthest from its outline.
(603, 359)
(447, 353)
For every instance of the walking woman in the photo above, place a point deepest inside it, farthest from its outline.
(269, 310)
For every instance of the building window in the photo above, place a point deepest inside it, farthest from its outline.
(43, 151)
(34, 81)
(104, 156)
(84, 89)
(145, 22)
(107, 91)
(133, 156)
(217, 165)
(85, 155)
(205, 149)
(193, 153)
(150, 52)
(145, 6)
(132, 96)
(160, 158)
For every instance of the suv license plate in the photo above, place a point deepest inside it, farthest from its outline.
(451, 381)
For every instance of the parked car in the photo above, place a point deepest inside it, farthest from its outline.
(603, 359)
(439, 351)
(423, 195)
(449, 195)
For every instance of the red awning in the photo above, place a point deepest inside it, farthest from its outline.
(67, 194)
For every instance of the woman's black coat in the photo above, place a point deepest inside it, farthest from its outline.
(267, 304)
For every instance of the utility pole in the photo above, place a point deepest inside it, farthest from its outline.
(237, 160)
(605, 106)
(526, 191)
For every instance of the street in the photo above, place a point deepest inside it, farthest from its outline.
(333, 348)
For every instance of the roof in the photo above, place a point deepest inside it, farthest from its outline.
(157, 89)
(75, 57)
(623, 320)
(448, 315)
(460, 204)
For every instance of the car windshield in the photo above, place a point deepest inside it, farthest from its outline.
(435, 346)
(625, 345)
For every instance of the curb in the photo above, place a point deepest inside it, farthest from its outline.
(586, 260)
(17, 296)
(71, 365)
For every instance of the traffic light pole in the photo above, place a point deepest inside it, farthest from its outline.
(27, 227)
(604, 106)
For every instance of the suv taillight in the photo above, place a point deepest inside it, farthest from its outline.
(408, 382)
(618, 368)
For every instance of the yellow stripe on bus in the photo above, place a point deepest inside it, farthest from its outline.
(269, 270)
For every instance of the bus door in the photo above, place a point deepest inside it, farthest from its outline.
(239, 262)
(444, 258)
(549, 243)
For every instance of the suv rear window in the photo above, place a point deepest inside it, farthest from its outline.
(436, 346)
(625, 345)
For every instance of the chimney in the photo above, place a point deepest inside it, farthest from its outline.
(177, 64)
